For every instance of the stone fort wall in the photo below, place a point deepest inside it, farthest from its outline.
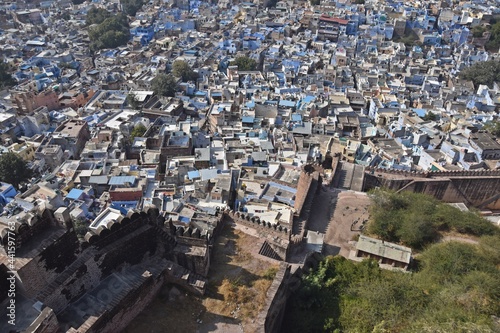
(67, 270)
(480, 189)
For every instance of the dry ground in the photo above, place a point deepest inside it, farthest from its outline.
(348, 207)
(236, 292)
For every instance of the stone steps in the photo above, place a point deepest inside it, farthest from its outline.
(66, 274)
(267, 251)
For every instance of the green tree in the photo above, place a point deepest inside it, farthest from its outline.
(494, 42)
(245, 64)
(133, 102)
(66, 16)
(271, 3)
(478, 31)
(137, 132)
(97, 15)
(430, 116)
(184, 71)
(484, 72)
(164, 85)
(77, 2)
(131, 7)
(6, 79)
(493, 128)
(13, 169)
(416, 219)
(110, 33)
(80, 226)
(314, 2)
(454, 289)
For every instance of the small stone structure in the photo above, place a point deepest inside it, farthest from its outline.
(386, 253)
(276, 237)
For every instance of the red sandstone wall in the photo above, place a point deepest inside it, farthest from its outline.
(129, 307)
(46, 267)
(303, 185)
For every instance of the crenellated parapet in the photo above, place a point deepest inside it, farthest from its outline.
(255, 222)
(116, 228)
(433, 174)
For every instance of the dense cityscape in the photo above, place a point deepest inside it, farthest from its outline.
(267, 166)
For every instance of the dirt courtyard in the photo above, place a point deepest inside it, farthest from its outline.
(350, 210)
(238, 282)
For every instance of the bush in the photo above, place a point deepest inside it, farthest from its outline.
(484, 72)
(270, 273)
(110, 31)
(6, 79)
(164, 85)
(449, 261)
(415, 219)
(456, 290)
(245, 64)
(131, 7)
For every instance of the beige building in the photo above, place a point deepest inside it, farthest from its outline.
(25, 150)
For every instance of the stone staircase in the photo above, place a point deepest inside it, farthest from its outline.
(268, 251)
(166, 236)
(80, 261)
(66, 274)
(185, 276)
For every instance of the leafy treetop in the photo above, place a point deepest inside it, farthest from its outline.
(110, 33)
(97, 15)
(484, 72)
(416, 219)
(183, 70)
(138, 131)
(494, 42)
(245, 63)
(164, 85)
(131, 7)
(493, 127)
(6, 79)
(13, 169)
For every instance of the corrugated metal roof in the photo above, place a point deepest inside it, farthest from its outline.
(74, 194)
(384, 249)
(98, 180)
(247, 119)
(121, 180)
(208, 174)
(193, 174)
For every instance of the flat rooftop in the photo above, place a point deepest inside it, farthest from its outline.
(279, 192)
(178, 141)
(72, 128)
(485, 141)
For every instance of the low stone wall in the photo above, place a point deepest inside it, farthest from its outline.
(286, 281)
(254, 222)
